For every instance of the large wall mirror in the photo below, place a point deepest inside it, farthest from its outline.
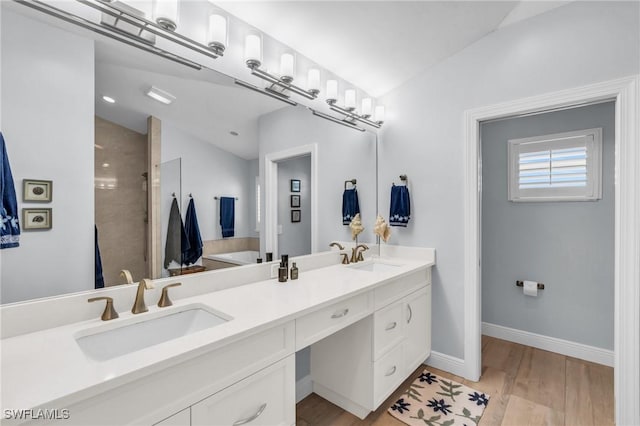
(117, 166)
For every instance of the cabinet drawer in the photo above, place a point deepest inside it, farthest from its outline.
(388, 326)
(265, 398)
(399, 288)
(388, 373)
(318, 325)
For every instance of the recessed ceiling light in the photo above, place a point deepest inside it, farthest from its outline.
(233, 133)
(160, 95)
(108, 99)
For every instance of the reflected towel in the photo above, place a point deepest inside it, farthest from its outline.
(227, 216)
(192, 230)
(177, 242)
(9, 223)
(350, 205)
(99, 280)
(400, 211)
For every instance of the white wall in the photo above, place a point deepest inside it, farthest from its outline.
(574, 45)
(295, 239)
(208, 172)
(47, 121)
(343, 154)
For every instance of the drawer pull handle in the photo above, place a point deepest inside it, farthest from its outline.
(252, 418)
(340, 314)
(410, 313)
(390, 372)
(391, 326)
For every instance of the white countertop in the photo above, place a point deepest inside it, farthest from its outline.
(47, 369)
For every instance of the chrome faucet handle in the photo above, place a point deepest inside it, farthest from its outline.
(109, 312)
(138, 305)
(164, 297)
(345, 258)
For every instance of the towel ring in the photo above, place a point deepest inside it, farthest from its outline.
(404, 179)
(350, 181)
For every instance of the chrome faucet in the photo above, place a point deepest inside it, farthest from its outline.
(139, 305)
(356, 254)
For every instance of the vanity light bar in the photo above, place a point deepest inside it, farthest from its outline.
(353, 115)
(278, 82)
(150, 26)
(106, 32)
(336, 120)
(272, 93)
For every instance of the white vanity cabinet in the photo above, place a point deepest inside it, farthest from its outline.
(358, 367)
(182, 418)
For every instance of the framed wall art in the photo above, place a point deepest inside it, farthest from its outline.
(295, 185)
(295, 216)
(36, 219)
(295, 201)
(37, 191)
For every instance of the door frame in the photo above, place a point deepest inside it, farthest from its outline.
(626, 93)
(271, 193)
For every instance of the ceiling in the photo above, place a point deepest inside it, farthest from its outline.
(378, 45)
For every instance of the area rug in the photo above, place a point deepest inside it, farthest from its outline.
(436, 401)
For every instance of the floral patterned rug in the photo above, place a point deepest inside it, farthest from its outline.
(437, 401)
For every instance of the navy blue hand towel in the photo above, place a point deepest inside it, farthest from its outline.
(350, 205)
(227, 216)
(99, 281)
(192, 230)
(400, 211)
(9, 223)
(177, 242)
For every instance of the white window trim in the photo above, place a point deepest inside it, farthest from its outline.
(593, 190)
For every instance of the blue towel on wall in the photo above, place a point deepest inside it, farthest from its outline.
(227, 216)
(99, 281)
(350, 205)
(9, 223)
(400, 211)
(177, 242)
(192, 230)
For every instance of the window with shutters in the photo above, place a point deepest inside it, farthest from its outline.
(559, 167)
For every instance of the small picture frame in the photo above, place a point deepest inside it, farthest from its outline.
(295, 201)
(37, 191)
(295, 216)
(36, 219)
(295, 185)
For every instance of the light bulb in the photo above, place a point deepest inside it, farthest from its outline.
(332, 90)
(217, 34)
(313, 81)
(366, 107)
(379, 113)
(286, 67)
(350, 99)
(165, 13)
(253, 50)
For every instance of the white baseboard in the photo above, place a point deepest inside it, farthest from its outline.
(304, 388)
(552, 344)
(446, 363)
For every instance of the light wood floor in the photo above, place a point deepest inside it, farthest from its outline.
(528, 386)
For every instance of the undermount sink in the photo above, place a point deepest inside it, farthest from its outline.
(151, 329)
(375, 266)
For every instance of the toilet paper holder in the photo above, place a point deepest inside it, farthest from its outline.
(521, 284)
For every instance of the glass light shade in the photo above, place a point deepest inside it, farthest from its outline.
(286, 66)
(253, 49)
(217, 34)
(350, 99)
(332, 90)
(379, 115)
(367, 106)
(165, 13)
(313, 80)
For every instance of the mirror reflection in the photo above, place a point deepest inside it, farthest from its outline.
(118, 157)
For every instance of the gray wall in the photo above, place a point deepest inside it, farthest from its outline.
(295, 239)
(568, 246)
(423, 136)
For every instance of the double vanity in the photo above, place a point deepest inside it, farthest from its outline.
(227, 356)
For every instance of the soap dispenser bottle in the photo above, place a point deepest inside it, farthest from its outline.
(294, 271)
(282, 272)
